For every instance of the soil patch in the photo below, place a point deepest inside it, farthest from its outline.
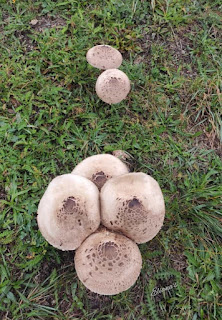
(203, 122)
(26, 42)
(178, 45)
(47, 22)
(207, 140)
(2, 194)
(178, 259)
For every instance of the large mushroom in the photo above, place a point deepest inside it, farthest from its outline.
(69, 211)
(104, 57)
(133, 204)
(112, 86)
(99, 168)
(108, 263)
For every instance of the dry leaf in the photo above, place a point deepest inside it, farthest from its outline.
(34, 22)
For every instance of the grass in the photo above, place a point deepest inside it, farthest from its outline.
(170, 123)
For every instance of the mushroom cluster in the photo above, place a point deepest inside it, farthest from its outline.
(102, 211)
(112, 85)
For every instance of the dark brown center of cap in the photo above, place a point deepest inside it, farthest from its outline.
(110, 250)
(134, 203)
(99, 178)
(69, 205)
(113, 80)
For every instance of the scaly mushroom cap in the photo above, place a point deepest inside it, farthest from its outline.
(69, 211)
(133, 204)
(112, 86)
(108, 263)
(104, 57)
(99, 168)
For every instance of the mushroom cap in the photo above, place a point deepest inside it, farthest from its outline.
(112, 86)
(69, 211)
(108, 263)
(133, 204)
(104, 57)
(99, 168)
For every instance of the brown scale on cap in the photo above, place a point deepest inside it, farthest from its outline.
(132, 215)
(108, 263)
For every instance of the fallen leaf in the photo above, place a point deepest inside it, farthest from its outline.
(34, 22)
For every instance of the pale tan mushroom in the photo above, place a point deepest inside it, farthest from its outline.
(108, 263)
(112, 86)
(133, 204)
(99, 168)
(104, 57)
(69, 211)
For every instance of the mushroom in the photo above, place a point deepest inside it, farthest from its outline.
(122, 155)
(112, 86)
(69, 211)
(99, 168)
(133, 204)
(104, 57)
(108, 263)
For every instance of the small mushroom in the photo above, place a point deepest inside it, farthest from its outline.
(104, 57)
(122, 155)
(108, 263)
(69, 211)
(112, 86)
(126, 157)
(133, 204)
(99, 168)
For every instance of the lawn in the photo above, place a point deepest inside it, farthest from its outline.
(170, 124)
